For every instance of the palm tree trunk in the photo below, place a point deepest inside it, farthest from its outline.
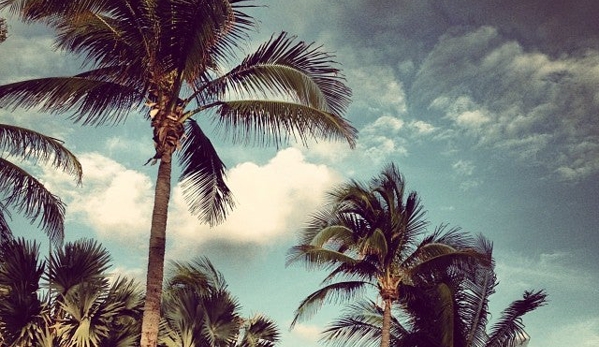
(151, 316)
(386, 329)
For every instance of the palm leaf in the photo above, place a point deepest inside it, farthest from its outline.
(29, 144)
(92, 102)
(28, 196)
(317, 257)
(203, 176)
(259, 331)
(336, 292)
(276, 122)
(510, 327)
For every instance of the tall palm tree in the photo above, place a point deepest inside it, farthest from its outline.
(368, 237)
(171, 57)
(199, 310)
(83, 308)
(22, 191)
(452, 311)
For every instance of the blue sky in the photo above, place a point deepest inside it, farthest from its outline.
(491, 113)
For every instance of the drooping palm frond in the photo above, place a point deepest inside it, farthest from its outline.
(277, 122)
(29, 144)
(28, 196)
(91, 102)
(203, 177)
(510, 327)
(199, 276)
(360, 326)
(332, 293)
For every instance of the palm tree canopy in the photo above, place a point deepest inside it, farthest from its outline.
(170, 56)
(199, 310)
(22, 191)
(372, 235)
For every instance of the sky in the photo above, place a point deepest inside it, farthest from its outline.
(490, 109)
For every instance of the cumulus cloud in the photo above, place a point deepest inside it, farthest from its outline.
(114, 201)
(272, 201)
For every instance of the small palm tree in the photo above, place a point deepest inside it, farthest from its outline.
(80, 309)
(22, 191)
(451, 311)
(368, 238)
(170, 59)
(198, 310)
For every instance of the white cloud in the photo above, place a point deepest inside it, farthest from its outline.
(464, 167)
(272, 201)
(306, 333)
(582, 333)
(114, 201)
(376, 88)
(422, 128)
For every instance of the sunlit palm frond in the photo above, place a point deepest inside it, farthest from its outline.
(510, 327)
(259, 331)
(332, 293)
(29, 144)
(28, 196)
(315, 257)
(89, 101)
(296, 69)
(277, 122)
(203, 177)
(199, 276)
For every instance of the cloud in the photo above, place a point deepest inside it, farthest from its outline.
(306, 333)
(581, 332)
(537, 107)
(114, 201)
(272, 201)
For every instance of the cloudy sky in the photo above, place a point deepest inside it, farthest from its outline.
(489, 108)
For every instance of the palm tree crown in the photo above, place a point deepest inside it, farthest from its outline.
(371, 237)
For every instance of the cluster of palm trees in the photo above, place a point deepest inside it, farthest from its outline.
(433, 288)
(69, 300)
(175, 63)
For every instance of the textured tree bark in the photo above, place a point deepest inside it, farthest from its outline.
(386, 328)
(151, 316)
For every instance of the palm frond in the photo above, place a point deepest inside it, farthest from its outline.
(259, 331)
(317, 257)
(333, 293)
(297, 69)
(277, 122)
(510, 326)
(82, 261)
(28, 196)
(91, 102)
(29, 144)
(203, 177)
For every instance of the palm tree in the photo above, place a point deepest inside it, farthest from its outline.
(171, 56)
(199, 310)
(450, 312)
(22, 191)
(368, 238)
(83, 308)
(3, 30)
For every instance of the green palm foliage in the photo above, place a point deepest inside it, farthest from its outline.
(451, 311)
(81, 307)
(170, 59)
(371, 237)
(199, 310)
(21, 191)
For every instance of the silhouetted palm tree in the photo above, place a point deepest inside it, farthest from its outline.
(22, 191)
(172, 56)
(450, 311)
(368, 237)
(82, 308)
(199, 310)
